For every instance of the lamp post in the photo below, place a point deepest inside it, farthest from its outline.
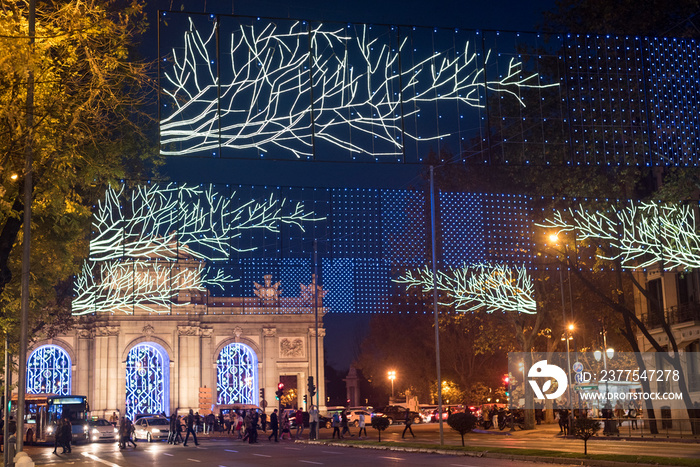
(568, 335)
(392, 377)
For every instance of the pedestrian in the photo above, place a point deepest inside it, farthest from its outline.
(131, 430)
(409, 421)
(336, 424)
(299, 420)
(313, 422)
(274, 426)
(344, 424)
(190, 429)
(263, 422)
(361, 421)
(285, 426)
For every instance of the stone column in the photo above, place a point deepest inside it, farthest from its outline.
(188, 366)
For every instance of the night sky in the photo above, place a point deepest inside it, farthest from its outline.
(344, 332)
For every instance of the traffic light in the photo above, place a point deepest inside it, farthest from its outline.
(506, 385)
(311, 387)
(262, 394)
(280, 390)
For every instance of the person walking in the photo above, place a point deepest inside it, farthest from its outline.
(409, 422)
(299, 420)
(190, 429)
(361, 421)
(274, 426)
(263, 422)
(336, 424)
(344, 424)
(313, 422)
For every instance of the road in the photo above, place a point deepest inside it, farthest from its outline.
(227, 452)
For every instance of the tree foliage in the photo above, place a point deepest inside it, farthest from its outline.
(462, 423)
(88, 130)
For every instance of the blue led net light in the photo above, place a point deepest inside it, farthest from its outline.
(49, 371)
(146, 371)
(673, 74)
(237, 375)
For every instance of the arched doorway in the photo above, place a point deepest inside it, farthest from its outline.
(49, 371)
(147, 380)
(237, 375)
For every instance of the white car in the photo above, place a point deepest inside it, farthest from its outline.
(150, 428)
(101, 430)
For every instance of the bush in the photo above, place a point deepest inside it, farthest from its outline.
(380, 424)
(462, 423)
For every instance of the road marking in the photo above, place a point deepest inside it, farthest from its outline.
(193, 460)
(230, 450)
(311, 462)
(393, 458)
(97, 459)
(261, 455)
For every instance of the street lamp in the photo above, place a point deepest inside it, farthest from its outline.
(567, 337)
(392, 377)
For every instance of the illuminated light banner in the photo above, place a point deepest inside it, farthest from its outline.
(251, 88)
(179, 248)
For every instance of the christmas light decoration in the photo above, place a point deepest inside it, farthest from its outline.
(639, 235)
(272, 102)
(495, 287)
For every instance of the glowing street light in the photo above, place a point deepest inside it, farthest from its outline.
(392, 377)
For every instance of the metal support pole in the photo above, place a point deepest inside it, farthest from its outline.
(315, 285)
(435, 303)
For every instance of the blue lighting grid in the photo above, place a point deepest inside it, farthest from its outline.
(528, 125)
(435, 61)
(339, 281)
(146, 372)
(49, 371)
(372, 282)
(356, 223)
(607, 100)
(298, 242)
(265, 87)
(463, 227)
(508, 228)
(672, 69)
(189, 69)
(357, 92)
(404, 227)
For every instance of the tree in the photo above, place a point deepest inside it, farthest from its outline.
(380, 424)
(88, 131)
(585, 428)
(462, 423)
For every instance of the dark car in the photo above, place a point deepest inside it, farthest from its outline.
(396, 413)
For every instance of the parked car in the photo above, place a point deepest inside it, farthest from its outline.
(396, 413)
(101, 429)
(150, 428)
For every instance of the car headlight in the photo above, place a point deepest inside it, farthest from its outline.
(155, 430)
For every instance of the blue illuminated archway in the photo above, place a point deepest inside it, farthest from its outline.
(237, 375)
(147, 380)
(49, 371)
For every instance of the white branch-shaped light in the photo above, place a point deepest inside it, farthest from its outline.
(267, 104)
(473, 287)
(640, 235)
